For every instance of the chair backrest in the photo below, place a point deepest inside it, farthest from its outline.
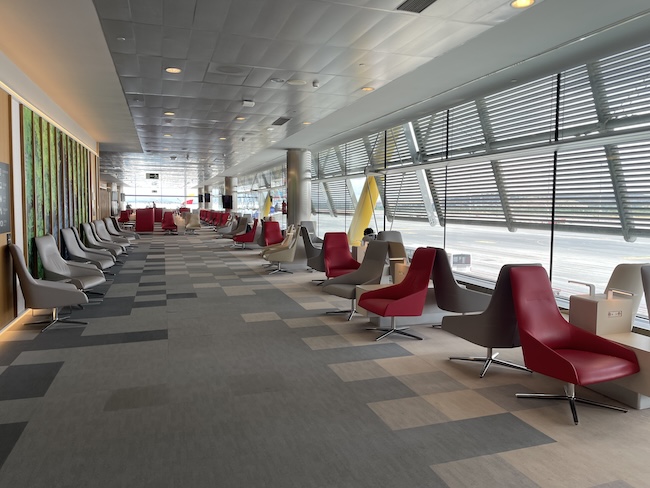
(627, 276)
(71, 243)
(337, 253)
(310, 250)
(27, 282)
(101, 231)
(48, 251)
(499, 319)
(538, 315)
(450, 295)
(419, 273)
(272, 233)
(396, 251)
(390, 235)
(645, 278)
(89, 234)
(372, 266)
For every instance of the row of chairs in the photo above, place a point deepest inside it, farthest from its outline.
(522, 311)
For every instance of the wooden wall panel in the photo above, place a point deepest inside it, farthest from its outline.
(7, 311)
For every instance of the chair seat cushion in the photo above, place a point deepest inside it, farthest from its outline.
(340, 271)
(342, 290)
(592, 367)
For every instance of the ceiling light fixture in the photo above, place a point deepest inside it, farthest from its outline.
(306, 123)
(240, 118)
(121, 39)
(222, 138)
(367, 89)
(173, 70)
(169, 114)
(521, 3)
(167, 135)
(277, 80)
(296, 82)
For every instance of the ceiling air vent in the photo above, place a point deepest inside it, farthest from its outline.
(415, 6)
(281, 121)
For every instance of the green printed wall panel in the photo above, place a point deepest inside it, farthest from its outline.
(28, 158)
(47, 189)
(54, 182)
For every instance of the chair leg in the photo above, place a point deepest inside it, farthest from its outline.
(570, 395)
(55, 319)
(280, 269)
(393, 330)
(489, 359)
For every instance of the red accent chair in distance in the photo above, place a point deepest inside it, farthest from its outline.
(337, 256)
(272, 233)
(405, 299)
(168, 224)
(554, 347)
(246, 236)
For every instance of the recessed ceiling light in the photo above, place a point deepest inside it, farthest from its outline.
(222, 138)
(169, 114)
(240, 118)
(277, 80)
(121, 38)
(167, 135)
(173, 70)
(367, 89)
(270, 128)
(521, 3)
(306, 123)
(296, 82)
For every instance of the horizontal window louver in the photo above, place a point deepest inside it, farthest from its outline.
(340, 196)
(395, 150)
(624, 80)
(522, 115)
(465, 131)
(578, 114)
(329, 163)
(471, 195)
(528, 183)
(431, 135)
(403, 198)
(355, 156)
(634, 164)
(319, 201)
(584, 192)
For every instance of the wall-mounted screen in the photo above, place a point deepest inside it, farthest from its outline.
(226, 200)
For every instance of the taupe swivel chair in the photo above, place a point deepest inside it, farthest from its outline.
(83, 276)
(102, 234)
(115, 231)
(314, 253)
(283, 255)
(242, 227)
(309, 225)
(370, 272)
(496, 327)
(450, 296)
(122, 230)
(93, 243)
(103, 260)
(40, 294)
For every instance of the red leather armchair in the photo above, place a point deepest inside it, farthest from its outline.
(272, 233)
(168, 224)
(554, 347)
(405, 299)
(246, 236)
(144, 220)
(337, 256)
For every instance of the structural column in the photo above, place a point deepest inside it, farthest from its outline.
(229, 189)
(298, 186)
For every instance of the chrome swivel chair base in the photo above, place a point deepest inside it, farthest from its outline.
(393, 330)
(489, 359)
(570, 395)
(55, 318)
(280, 269)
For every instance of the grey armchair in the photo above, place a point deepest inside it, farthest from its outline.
(627, 277)
(83, 276)
(370, 272)
(450, 296)
(314, 253)
(114, 230)
(645, 277)
(390, 235)
(41, 294)
(102, 260)
(94, 243)
(496, 327)
(309, 225)
(101, 232)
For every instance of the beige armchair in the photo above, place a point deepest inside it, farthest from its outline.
(283, 255)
